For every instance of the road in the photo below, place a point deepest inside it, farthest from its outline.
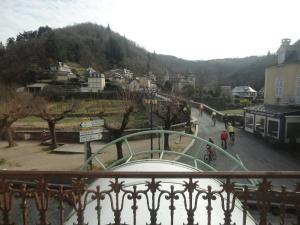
(255, 153)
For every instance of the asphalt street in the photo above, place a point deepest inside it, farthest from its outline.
(255, 153)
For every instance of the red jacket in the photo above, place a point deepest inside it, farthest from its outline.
(224, 135)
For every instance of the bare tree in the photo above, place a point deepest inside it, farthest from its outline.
(43, 110)
(176, 109)
(168, 115)
(13, 106)
(130, 103)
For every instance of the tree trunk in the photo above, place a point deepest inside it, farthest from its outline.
(167, 127)
(166, 145)
(119, 150)
(9, 137)
(51, 126)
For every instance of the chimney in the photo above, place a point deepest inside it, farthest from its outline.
(285, 45)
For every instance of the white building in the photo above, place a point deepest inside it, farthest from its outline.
(95, 81)
(134, 85)
(60, 68)
(244, 92)
(145, 82)
(62, 72)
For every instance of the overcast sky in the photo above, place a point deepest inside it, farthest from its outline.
(189, 29)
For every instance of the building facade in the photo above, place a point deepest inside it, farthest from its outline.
(95, 81)
(180, 81)
(244, 92)
(278, 119)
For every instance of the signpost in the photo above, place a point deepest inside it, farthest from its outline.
(90, 131)
(92, 123)
(90, 135)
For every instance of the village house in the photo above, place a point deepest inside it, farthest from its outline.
(134, 85)
(95, 81)
(278, 118)
(35, 89)
(125, 73)
(62, 72)
(244, 92)
(145, 82)
(180, 81)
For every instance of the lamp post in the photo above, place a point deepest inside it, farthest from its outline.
(151, 93)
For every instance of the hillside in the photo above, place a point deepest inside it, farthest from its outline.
(24, 59)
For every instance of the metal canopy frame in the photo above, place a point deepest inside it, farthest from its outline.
(198, 163)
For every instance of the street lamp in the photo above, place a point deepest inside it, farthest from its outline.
(151, 92)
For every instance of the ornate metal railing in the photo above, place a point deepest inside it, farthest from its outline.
(32, 197)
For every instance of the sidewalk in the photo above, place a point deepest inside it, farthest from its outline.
(30, 155)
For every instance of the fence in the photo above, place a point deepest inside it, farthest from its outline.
(30, 197)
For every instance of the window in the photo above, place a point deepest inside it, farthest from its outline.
(260, 124)
(273, 128)
(279, 87)
(249, 122)
(297, 97)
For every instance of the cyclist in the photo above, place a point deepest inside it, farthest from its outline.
(209, 150)
(231, 132)
(214, 117)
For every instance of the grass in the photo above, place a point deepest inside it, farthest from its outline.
(113, 109)
(136, 120)
(79, 69)
(234, 111)
(2, 161)
(89, 106)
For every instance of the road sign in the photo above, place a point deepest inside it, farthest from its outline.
(90, 132)
(91, 137)
(93, 123)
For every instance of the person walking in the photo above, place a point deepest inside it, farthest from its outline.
(201, 109)
(231, 132)
(214, 117)
(224, 137)
(225, 120)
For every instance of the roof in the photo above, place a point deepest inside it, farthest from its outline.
(243, 89)
(273, 109)
(41, 85)
(292, 52)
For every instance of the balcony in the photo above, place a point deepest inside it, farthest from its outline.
(34, 197)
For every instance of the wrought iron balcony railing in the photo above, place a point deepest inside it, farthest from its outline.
(34, 197)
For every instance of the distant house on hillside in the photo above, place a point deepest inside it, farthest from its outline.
(145, 82)
(95, 81)
(60, 68)
(279, 117)
(134, 85)
(179, 81)
(127, 74)
(152, 77)
(36, 89)
(62, 72)
(244, 92)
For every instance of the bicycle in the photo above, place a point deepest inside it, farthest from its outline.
(210, 155)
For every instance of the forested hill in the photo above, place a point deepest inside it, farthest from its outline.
(24, 58)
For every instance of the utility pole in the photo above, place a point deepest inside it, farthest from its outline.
(151, 93)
